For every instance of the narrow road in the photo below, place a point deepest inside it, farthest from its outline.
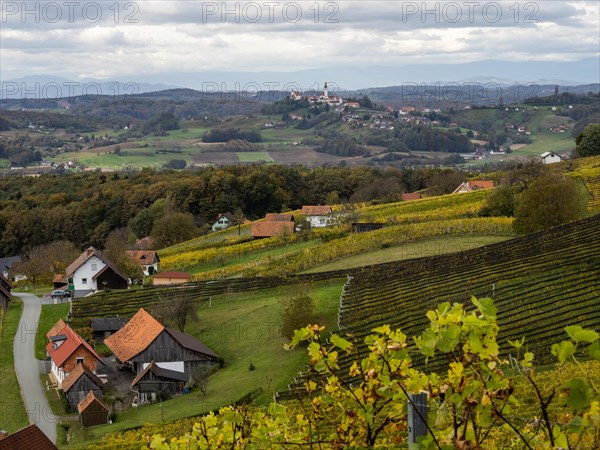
(28, 368)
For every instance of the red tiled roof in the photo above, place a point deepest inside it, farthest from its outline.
(179, 275)
(319, 210)
(28, 438)
(146, 257)
(480, 184)
(59, 278)
(66, 349)
(279, 217)
(268, 228)
(55, 330)
(135, 336)
(411, 196)
(76, 373)
(89, 398)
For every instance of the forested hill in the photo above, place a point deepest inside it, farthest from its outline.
(84, 208)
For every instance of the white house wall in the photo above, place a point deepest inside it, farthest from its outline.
(319, 221)
(86, 271)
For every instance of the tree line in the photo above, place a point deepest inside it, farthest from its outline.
(85, 208)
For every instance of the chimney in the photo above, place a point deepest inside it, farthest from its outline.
(3, 434)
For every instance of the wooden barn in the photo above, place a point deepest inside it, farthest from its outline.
(103, 327)
(79, 382)
(92, 410)
(144, 340)
(155, 382)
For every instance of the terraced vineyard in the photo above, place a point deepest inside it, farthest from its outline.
(541, 283)
(593, 185)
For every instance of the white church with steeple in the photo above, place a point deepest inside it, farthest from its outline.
(324, 98)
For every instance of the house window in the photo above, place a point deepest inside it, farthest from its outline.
(84, 281)
(94, 267)
(79, 360)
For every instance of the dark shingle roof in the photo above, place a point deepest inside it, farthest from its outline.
(28, 438)
(108, 323)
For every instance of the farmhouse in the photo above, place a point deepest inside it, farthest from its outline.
(154, 381)
(473, 185)
(28, 438)
(144, 340)
(224, 220)
(5, 288)
(318, 216)
(66, 350)
(147, 259)
(79, 382)
(168, 278)
(92, 272)
(103, 327)
(92, 410)
(550, 158)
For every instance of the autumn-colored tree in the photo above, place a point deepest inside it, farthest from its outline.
(588, 141)
(548, 202)
(173, 228)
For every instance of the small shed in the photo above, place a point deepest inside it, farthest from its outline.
(92, 410)
(550, 158)
(365, 227)
(79, 382)
(167, 278)
(156, 381)
(103, 327)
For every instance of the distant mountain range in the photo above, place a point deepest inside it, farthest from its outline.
(491, 72)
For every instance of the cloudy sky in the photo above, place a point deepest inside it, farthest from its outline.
(110, 40)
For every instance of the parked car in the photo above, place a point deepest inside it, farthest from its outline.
(59, 293)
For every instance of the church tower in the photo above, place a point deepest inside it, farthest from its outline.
(325, 93)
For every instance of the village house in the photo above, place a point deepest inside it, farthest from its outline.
(93, 410)
(148, 260)
(224, 220)
(169, 278)
(318, 216)
(92, 272)
(66, 350)
(103, 327)
(28, 438)
(79, 382)
(473, 185)
(144, 340)
(274, 225)
(550, 158)
(5, 288)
